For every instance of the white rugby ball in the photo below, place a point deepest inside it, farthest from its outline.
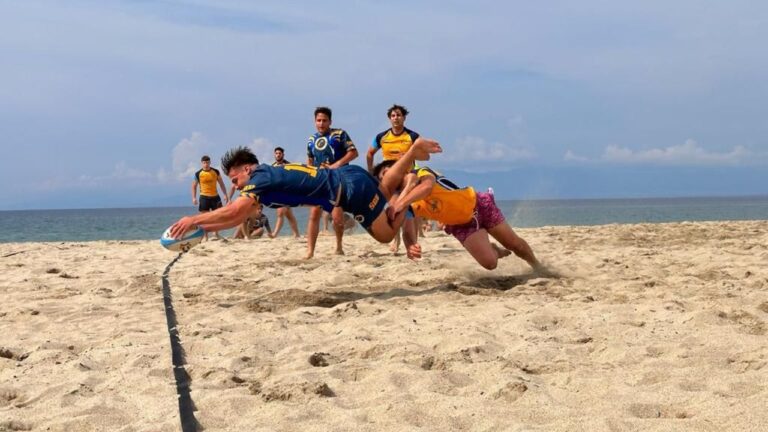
(185, 242)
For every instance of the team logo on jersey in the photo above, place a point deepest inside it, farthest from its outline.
(373, 203)
(321, 143)
(435, 206)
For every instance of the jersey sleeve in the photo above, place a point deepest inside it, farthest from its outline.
(414, 135)
(376, 143)
(309, 147)
(256, 185)
(346, 141)
(197, 175)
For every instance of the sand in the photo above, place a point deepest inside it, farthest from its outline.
(650, 327)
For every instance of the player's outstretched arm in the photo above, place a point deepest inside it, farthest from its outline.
(222, 218)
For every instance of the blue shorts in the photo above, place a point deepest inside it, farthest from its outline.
(360, 195)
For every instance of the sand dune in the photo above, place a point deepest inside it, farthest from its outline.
(650, 327)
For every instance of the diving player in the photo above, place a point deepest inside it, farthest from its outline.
(348, 187)
(468, 215)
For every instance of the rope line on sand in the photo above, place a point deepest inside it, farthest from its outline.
(186, 406)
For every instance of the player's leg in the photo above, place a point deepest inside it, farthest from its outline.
(313, 228)
(482, 250)
(510, 240)
(420, 150)
(338, 228)
(292, 221)
(280, 214)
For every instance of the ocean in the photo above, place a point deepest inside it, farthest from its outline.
(149, 223)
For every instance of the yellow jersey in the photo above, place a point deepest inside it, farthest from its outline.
(207, 181)
(392, 146)
(446, 203)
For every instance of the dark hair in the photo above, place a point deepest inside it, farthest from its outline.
(236, 157)
(324, 110)
(279, 148)
(399, 108)
(385, 164)
(205, 158)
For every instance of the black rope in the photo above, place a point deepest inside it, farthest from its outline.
(186, 406)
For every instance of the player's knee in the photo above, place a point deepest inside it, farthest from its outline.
(489, 263)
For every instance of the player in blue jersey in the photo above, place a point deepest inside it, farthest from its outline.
(349, 187)
(327, 148)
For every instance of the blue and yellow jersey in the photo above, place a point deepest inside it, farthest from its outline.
(279, 164)
(446, 203)
(207, 181)
(293, 185)
(329, 147)
(392, 146)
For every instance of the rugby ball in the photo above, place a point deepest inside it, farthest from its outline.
(185, 242)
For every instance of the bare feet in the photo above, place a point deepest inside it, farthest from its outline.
(423, 147)
(500, 251)
(339, 251)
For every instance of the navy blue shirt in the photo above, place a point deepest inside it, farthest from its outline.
(293, 185)
(329, 147)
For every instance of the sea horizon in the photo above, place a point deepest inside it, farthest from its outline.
(616, 198)
(145, 223)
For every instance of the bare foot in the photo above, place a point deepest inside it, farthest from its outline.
(501, 251)
(309, 256)
(423, 147)
(339, 251)
(394, 247)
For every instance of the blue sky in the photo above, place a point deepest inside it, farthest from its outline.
(112, 103)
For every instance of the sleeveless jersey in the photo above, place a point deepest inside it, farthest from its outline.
(446, 203)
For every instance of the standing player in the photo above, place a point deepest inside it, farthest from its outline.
(208, 177)
(394, 142)
(328, 148)
(283, 212)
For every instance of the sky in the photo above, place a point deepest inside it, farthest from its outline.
(112, 103)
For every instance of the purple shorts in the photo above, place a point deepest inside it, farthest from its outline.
(486, 216)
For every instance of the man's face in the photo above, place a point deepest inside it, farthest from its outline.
(382, 172)
(206, 165)
(322, 123)
(396, 119)
(239, 175)
(279, 155)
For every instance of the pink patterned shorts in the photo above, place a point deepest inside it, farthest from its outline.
(486, 216)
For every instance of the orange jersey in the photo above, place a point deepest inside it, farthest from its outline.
(446, 203)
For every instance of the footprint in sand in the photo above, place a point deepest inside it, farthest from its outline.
(511, 391)
(651, 411)
(13, 425)
(10, 396)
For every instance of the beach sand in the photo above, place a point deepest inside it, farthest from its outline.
(650, 327)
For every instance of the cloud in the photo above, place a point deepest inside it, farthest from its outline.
(476, 149)
(687, 154)
(573, 157)
(263, 148)
(186, 156)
